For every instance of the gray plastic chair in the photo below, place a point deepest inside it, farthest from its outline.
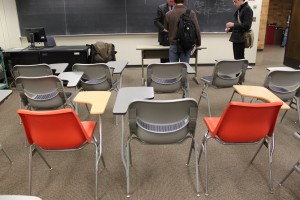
(162, 122)
(31, 70)
(96, 77)
(43, 93)
(168, 77)
(296, 167)
(226, 74)
(285, 84)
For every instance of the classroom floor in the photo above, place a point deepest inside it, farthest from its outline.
(158, 172)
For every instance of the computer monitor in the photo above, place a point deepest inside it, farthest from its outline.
(35, 35)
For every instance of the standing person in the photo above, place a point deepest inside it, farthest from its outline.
(286, 31)
(159, 21)
(242, 23)
(171, 22)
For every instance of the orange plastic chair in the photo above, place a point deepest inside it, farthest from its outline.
(243, 123)
(58, 130)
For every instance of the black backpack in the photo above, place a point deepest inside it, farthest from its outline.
(186, 32)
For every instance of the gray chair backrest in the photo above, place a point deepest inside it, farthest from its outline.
(283, 83)
(32, 70)
(41, 93)
(167, 77)
(96, 77)
(229, 72)
(163, 121)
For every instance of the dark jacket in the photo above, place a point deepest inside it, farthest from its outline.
(172, 19)
(159, 20)
(246, 15)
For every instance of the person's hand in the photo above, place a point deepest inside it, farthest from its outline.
(227, 30)
(229, 24)
(165, 30)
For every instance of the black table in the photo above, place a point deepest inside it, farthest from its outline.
(57, 54)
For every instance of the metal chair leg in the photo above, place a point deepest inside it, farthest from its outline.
(270, 152)
(232, 95)
(31, 150)
(190, 152)
(204, 94)
(290, 105)
(128, 169)
(257, 151)
(43, 158)
(97, 168)
(206, 167)
(295, 167)
(2, 149)
(197, 169)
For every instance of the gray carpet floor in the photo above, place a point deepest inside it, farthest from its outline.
(158, 172)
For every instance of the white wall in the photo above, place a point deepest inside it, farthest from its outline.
(217, 44)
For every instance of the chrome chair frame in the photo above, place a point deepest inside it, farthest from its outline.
(295, 168)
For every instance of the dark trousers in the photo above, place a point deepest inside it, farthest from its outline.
(164, 60)
(239, 50)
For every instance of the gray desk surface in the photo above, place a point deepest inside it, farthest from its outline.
(4, 94)
(59, 67)
(190, 70)
(118, 66)
(128, 94)
(18, 197)
(158, 51)
(72, 77)
(159, 47)
(280, 68)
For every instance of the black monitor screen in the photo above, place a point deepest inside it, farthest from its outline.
(36, 35)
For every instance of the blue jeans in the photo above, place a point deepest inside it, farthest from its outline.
(176, 54)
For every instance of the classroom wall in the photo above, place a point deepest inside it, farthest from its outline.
(217, 44)
(279, 11)
(263, 24)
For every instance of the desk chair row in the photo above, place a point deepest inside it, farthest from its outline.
(149, 125)
(156, 122)
(40, 89)
(283, 83)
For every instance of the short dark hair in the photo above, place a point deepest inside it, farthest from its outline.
(179, 1)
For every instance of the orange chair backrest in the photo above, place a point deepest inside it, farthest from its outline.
(247, 122)
(54, 129)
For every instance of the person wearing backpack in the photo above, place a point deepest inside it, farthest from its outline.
(159, 23)
(241, 24)
(177, 52)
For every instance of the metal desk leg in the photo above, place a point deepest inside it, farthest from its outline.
(125, 158)
(76, 104)
(143, 79)
(195, 78)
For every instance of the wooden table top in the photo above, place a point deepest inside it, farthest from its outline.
(98, 100)
(259, 92)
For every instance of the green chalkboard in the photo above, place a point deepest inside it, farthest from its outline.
(70, 17)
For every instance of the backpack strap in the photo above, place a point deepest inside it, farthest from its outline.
(188, 12)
